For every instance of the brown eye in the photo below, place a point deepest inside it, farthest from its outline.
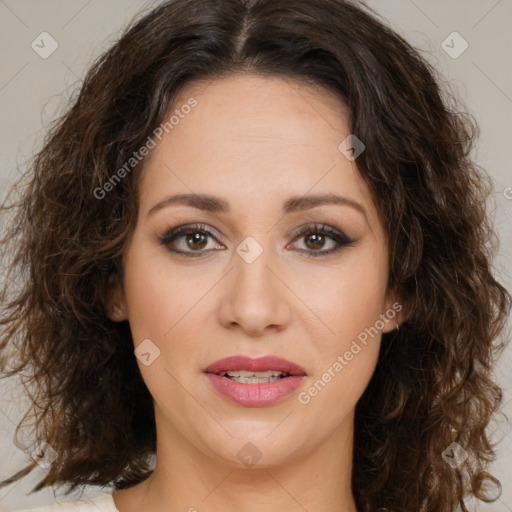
(315, 241)
(187, 240)
(196, 241)
(315, 238)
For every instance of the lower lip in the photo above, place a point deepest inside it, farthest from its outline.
(255, 395)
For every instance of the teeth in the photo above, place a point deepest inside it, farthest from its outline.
(252, 380)
(244, 373)
(247, 377)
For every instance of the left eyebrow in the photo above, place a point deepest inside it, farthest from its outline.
(200, 201)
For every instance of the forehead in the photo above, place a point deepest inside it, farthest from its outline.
(250, 108)
(250, 135)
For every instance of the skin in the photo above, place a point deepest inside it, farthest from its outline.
(255, 142)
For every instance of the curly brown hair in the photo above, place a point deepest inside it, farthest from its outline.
(433, 383)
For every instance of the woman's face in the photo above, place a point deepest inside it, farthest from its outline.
(246, 281)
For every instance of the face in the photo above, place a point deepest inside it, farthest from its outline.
(259, 268)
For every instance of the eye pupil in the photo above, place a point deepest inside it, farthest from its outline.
(319, 240)
(195, 240)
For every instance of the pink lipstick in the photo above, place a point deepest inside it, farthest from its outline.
(255, 382)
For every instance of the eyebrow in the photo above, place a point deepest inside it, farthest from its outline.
(214, 204)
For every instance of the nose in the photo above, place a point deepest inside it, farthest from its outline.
(255, 297)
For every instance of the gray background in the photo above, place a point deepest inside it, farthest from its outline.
(33, 89)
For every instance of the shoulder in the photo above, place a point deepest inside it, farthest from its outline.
(104, 502)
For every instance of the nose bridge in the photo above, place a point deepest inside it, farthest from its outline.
(252, 273)
(256, 299)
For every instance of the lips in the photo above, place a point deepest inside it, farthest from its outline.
(262, 364)
(255, 392)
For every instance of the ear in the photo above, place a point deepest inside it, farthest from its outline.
(116, 302)
(393, 314)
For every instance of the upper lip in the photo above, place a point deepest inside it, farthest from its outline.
(261, 364)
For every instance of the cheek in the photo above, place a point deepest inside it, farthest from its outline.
(348, 302)
(345, 383)
(157, 296)
(346, 364)
(164, 306)
(348, 355)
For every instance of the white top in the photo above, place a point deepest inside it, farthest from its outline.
(103, 503)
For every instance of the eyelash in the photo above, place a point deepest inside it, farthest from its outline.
(340, 238)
